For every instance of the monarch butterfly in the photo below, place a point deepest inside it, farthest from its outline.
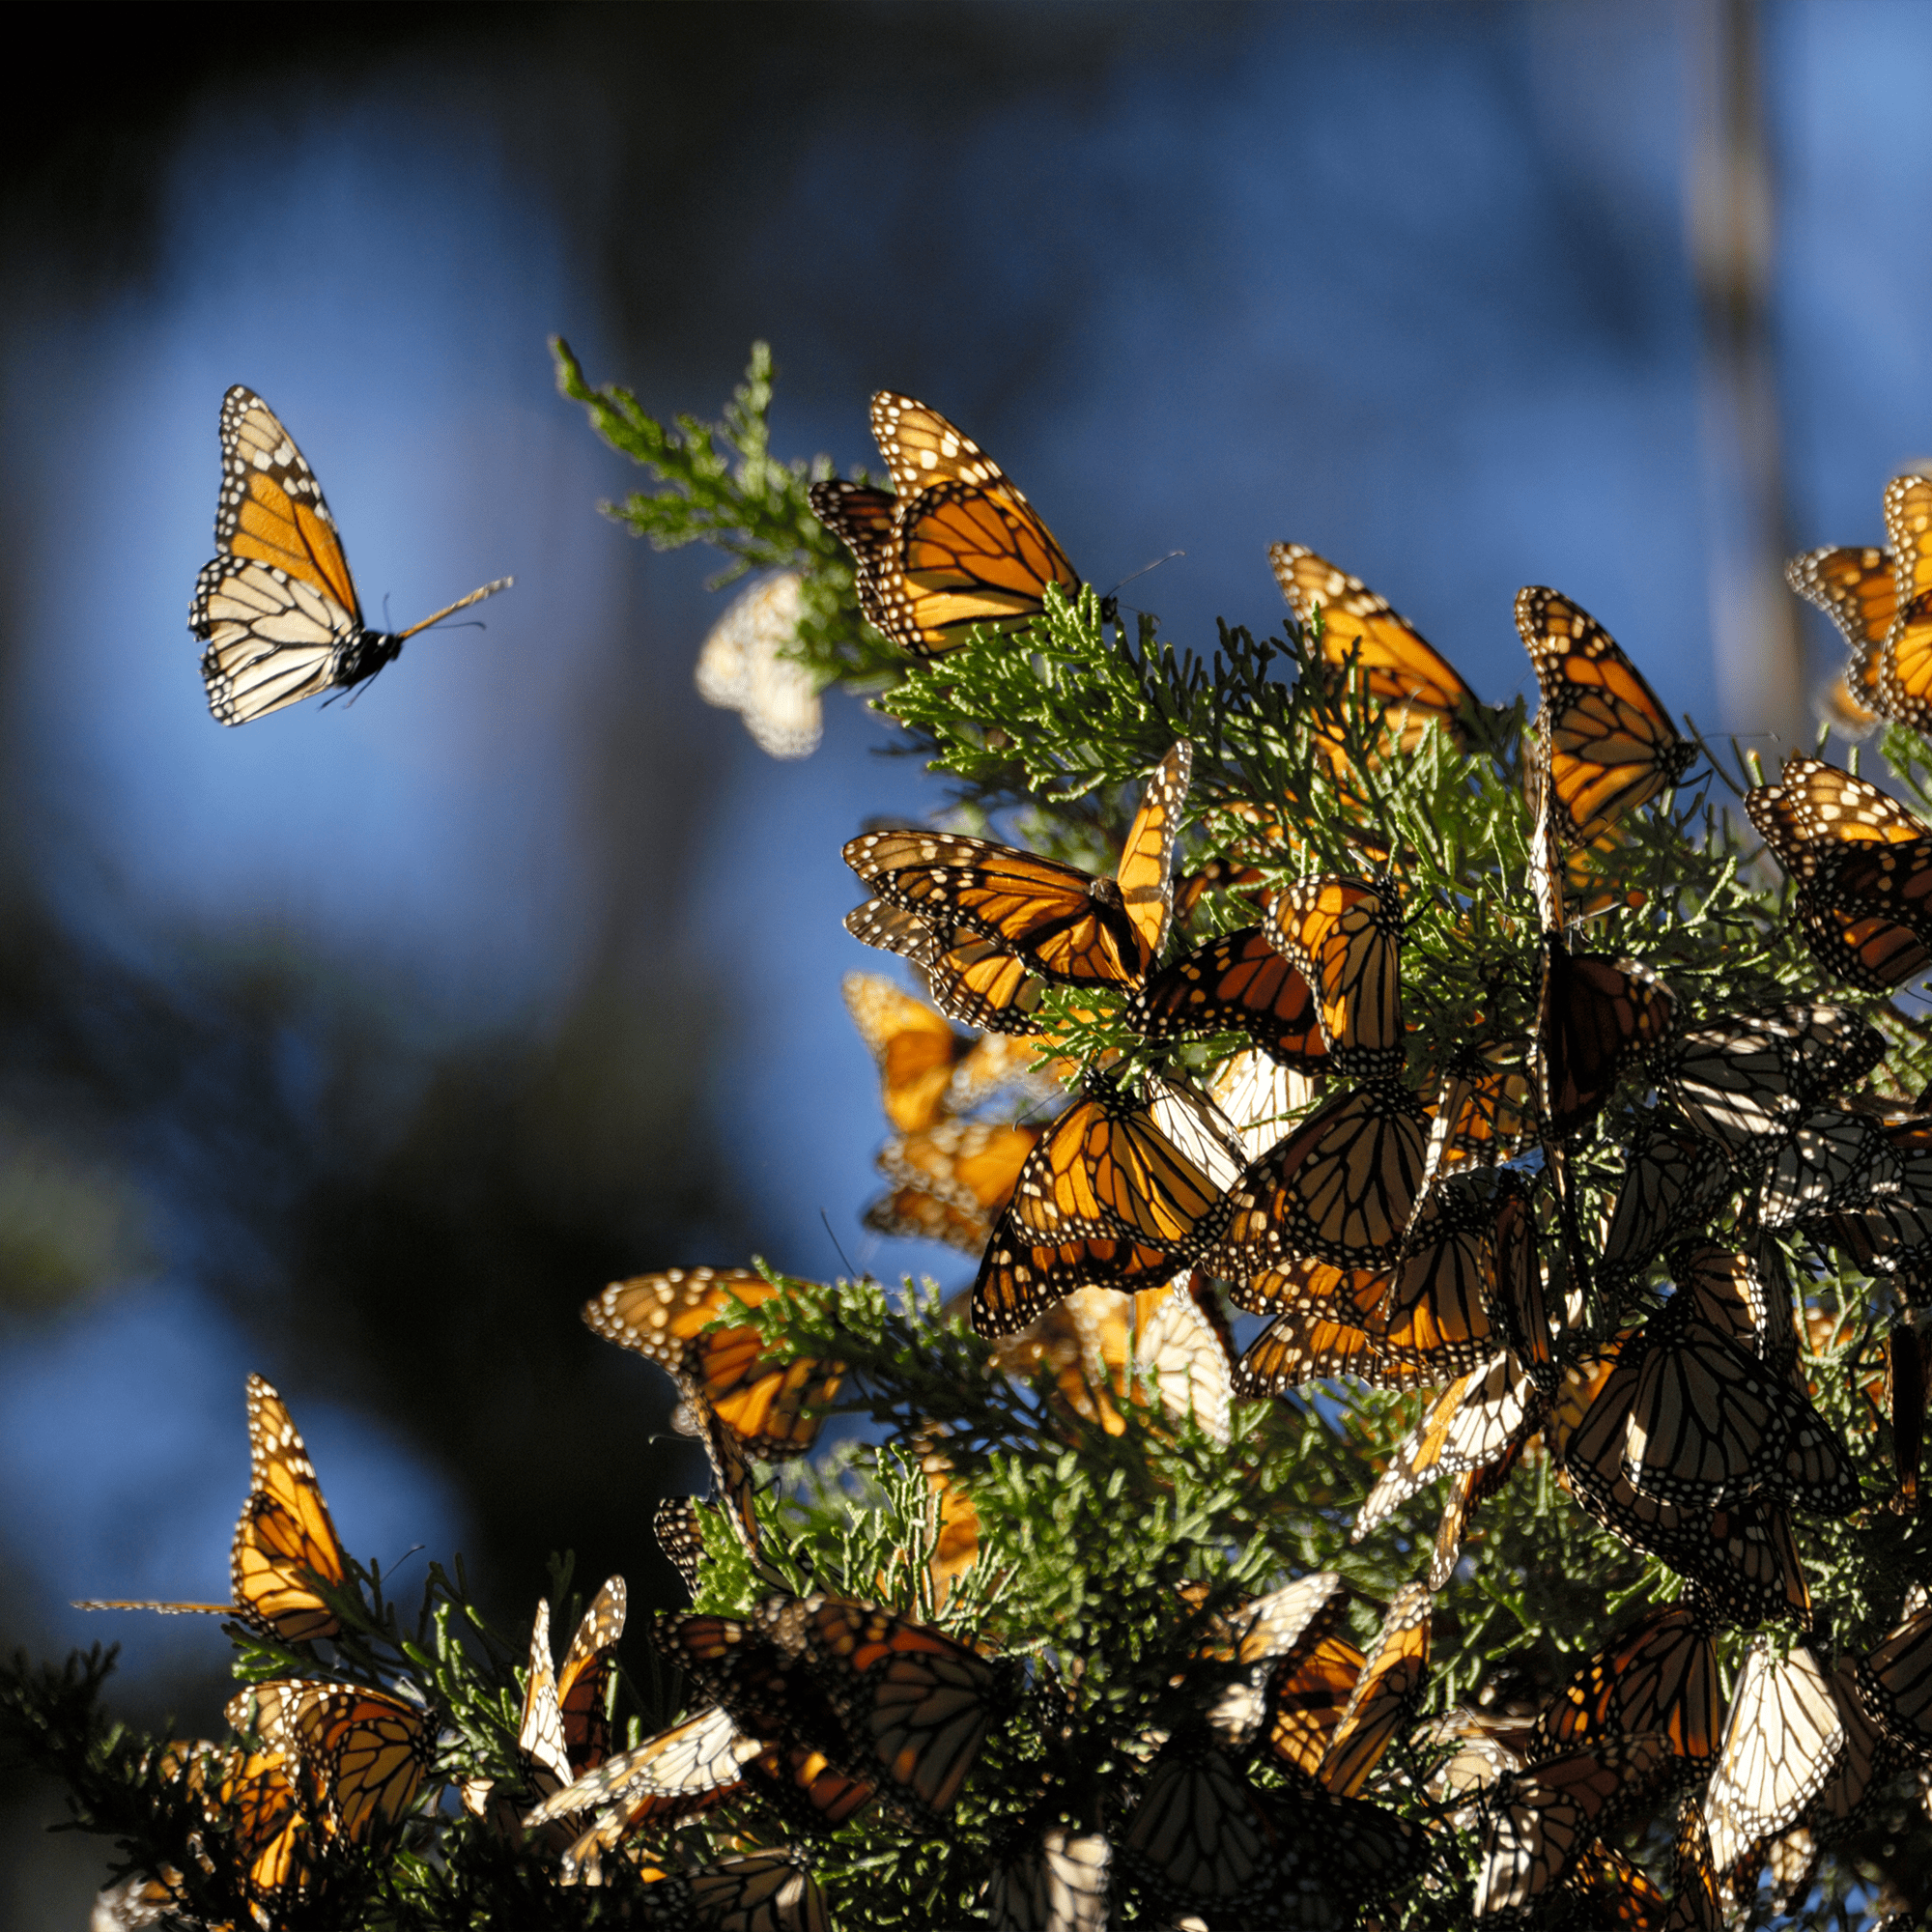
(1467, 1490)
(1697, 1907)
(1539, 1821)
(1608, 1888)
(680, 1535)
(1197, 1839)
(1439, 1306)
(1865, 867)
(1055, 1883)
(1659, 1675)
(1896, 1682)
(276, 606)
(1832, 1159)
(671, 1319)
(1889, 1234)
(806, 1788)
(1598, 1015)
(1238, 982)
(1744, 1293)
(1485, 1750)
(1306, 1699)
(566, 1725)
(1062, 922)
(1021, 1276)
(1279, 1630)
(694, 1765)
(916, 1704)
(951, 1180)
(1485, 1110)
(741, 668)
(1311, 1345)
(1340, 1187)
(963, 546)
(1469, 1424)
(1612, 747)
(1709, 1424)
(1257, 1096)
(1346, 936)
(1183, 1349)
(1744, 1081)
(1360, 631)
(1785, 1731)
(260, 1845)
(925, 1069)
(1856, 589)
(974, 980)
(757, 1670)
(1905, 658)
(1385, 1694)
(364, 1753)
(754, 1891)
(1674, 1181)
(285, 1543)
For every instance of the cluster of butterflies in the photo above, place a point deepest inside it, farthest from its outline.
(1396, 1238)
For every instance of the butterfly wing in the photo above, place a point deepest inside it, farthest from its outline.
(914, 1048)
(680, 1535)
(285, 1543)
(540, 1735)
(1058, 1883)
(975, 980)
(861, 518)
(1784, 1732)
(1345, 935)
(1385, 1694)
(369, 1754)
(1612, 747)
(582, 1681)
(1659, 1675)
(1598, 1015)
(1238, 982)
(1144, 877)
(1905, 659)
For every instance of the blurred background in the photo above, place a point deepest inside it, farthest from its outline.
(358, 1046)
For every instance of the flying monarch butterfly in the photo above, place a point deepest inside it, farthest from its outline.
(1538, 1822)
(285, 1543)
(974, 980)
(276, 606)
(1056, 1882)
(1345, 935)
(964, 547)
(1659, 1675)
(1905, 658)
(1896, 1682)
(1785, 1731)
(1340, 1187)
(925, 1069)
(671, 1319)
(1674, 1181)
(741, 667)
(680, 1536)
(1384, 1694)
(1612, 747)
(1360, 631)
(916, 1704)
(1063, 924)
(1468, 1425)
(1746, 1080)
(1709, 1424)
(1857, 590)
(1865, 867)
(685, 1769)
(1238, 982)
(1598, 1015)
(364, 1754)
(951, 1180)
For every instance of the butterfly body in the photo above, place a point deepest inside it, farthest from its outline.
(276, 605)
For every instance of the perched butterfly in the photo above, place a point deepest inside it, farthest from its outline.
(259, 1847)
(566, 1725)
(285, 1543)
(1362, 634)
(1237, 983)
(1598, 1015)
(364, 1754)
(1053, 1883)
(1863, 863)
(680, 1536)
(1258, 1098)
(1063, 924)
(1745, 1293)
(1183, 1348)
(1485, 1110)
(753, 1892)
(1340, 1187)
(1612, 747)
(1696, 1906)
(1441, 1304)
(1905, 658)
(1856, 589)
(673, 1318)
(1198, 1838)
(1305, 1701)
(1785, 1732)
(1384, 1695)
(740, 668)
(1673, 1182)
(1346, 936)
(1114, 1185)
(1659, 1675)
(1833, 1160)
(1747, 1080)
(1896, 1682)
(1890, 1234)
(1539, 1821)
(951, 1180)
(963, 546)
(972, 979)
(277, 607)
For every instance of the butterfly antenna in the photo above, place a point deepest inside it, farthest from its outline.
(1141, 572)
(461, 604)
(851, 1274)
